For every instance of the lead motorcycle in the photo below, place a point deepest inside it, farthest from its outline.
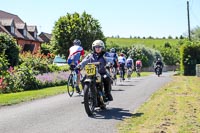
(94, 95)
(158, 70)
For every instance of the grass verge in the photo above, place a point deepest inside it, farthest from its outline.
(14, 98)
(173, 109)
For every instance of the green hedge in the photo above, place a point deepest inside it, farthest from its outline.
(190, 56)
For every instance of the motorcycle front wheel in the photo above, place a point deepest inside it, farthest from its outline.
(89, 99)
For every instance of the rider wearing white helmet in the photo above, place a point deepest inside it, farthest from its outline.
(98, 55)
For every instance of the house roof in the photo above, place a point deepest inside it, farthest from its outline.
(39, 39)
(3, 29)
(20, 25)
(8, 19)
(32, 28)
(6, 22)
(47, 35)
(6, 15)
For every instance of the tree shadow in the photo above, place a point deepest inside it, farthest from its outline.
(114, 113)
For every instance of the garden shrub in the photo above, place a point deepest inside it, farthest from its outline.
(9, 47)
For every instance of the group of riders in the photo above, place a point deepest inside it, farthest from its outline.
(99, 54)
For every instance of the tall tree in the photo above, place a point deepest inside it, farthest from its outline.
(195, 33)
(75, 26)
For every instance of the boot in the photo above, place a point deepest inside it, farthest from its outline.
(78, 89)
(109, 96)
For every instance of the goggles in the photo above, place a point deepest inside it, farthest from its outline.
(98, 47)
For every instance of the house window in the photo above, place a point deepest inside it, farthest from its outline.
(29, 47)
(24, 32)
(35, 35)
(13, 29)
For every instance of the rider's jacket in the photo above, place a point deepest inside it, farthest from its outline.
(75, 52)
(94, 57)
(129, 62)
(121, 59)
(159, 63)
(111, 55)
(138, 63)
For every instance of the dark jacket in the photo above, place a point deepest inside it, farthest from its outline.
(94, 57)
(159, 63)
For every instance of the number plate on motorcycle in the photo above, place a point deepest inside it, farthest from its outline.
(90, 69)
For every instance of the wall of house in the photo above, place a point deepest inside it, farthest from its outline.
(23, 42)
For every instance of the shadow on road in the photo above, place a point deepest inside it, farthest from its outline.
(112, 113)
(117, 90)
(125, 85)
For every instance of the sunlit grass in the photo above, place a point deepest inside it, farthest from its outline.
(173, 109)
(14, 98)
(126, 42)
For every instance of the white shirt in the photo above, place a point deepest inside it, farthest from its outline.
(121, 59)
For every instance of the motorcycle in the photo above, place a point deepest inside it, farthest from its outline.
(158, 70)
(94, 95)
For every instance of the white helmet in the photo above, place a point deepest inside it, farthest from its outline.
(98, 43)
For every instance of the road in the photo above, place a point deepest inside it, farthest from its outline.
(62, 114)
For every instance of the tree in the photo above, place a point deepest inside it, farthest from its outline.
(75, 26)
(9, 48)
(195, 34)
(170, 37)
(181, 37)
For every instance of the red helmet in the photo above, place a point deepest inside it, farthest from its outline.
(121, 54)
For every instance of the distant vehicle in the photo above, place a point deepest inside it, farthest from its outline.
(59, 61)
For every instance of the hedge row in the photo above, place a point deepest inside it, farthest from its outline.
(190, 56)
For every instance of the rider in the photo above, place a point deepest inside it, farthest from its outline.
(129, 64)
(98, 55)
(113, 55)
(158, 62)
(122, 60)
(138, 65)
(75, 52)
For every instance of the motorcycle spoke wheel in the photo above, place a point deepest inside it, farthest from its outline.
(89, 100)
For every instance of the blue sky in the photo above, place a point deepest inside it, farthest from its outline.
(155, 18)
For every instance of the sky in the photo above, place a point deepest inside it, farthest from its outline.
(144, 18)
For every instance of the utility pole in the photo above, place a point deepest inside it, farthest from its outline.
(188, 16)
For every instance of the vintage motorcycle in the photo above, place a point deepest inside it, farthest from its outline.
(94, 95)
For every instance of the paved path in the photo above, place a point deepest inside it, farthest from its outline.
(62, 114)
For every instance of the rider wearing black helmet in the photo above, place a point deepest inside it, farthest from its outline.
(158, 63)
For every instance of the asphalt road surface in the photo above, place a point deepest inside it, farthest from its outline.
(62, 114)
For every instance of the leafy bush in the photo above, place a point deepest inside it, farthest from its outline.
(190, 56)
(46, 48)
(145, 54)
(170, 54)
(54, 68)
(37, 62)
(9, 47)
(3, 72)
